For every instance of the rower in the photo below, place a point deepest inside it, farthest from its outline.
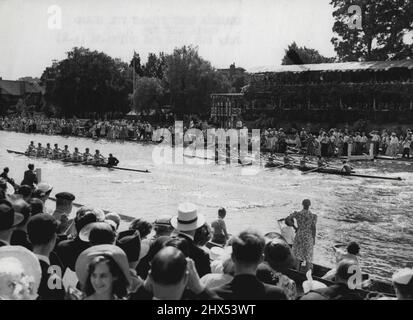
(76, 156)
(56, 151)
(303, 162)
(48, 150)
(321, 162)
(39, 150)
(86, 155)
(112, 161)
(287, 159)
(31, 148)
(66, 152)
(346, 168)
(98, 158)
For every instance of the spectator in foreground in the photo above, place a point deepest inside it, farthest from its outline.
(42, 230)
(30, 177)
(103, 273)
(247, 254)
(19, 236)
(340, 289)
(20, 274)
(8, 221)
(171, 273)
(186, 224)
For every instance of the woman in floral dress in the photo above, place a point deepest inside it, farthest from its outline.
(305, 237)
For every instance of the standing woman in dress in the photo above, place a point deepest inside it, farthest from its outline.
(305, 237)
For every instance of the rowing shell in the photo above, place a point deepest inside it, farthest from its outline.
(331, 171)
(83, 164)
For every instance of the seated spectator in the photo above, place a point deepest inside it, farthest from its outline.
(403, 284)
(186, 224)
(171, 273)
(351, 253)
(8, 222)
(215, 280)
(69, 250)
(19, 236)
(202, 235)
(114, 218)
(20, 274)
(25, 192)
(42, 230)
(143, 226)
(97, 233)
(247, 254)
(36, 206)
(103, 273)
(162, 226)
(278, 259)
(144, 263)
(340, 289)
(42, 192)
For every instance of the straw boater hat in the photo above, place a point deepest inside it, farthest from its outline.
(19, 264)
(86, 257)
(188, 218)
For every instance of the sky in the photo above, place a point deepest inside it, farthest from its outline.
(249, 33)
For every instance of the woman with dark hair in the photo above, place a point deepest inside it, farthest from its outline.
(103, 273)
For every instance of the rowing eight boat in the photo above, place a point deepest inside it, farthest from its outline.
(82, 163)
(327, 171)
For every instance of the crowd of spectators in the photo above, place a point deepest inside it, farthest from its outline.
(50, 255)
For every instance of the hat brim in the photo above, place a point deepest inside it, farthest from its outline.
(200, 221)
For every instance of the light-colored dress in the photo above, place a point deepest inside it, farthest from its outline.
(304, 242)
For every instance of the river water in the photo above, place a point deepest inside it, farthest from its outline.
(376, 213)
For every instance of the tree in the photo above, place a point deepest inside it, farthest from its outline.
(155, 66)
(303, 55)
(88, 81)
(148, 93)
(190, 80)
(135, 64)
(384, 26)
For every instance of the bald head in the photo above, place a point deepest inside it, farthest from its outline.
(168, 267)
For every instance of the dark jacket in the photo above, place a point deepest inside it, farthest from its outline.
(200, 257)
(69, 250)
(144, 294)
(20, 238)
(339, 291)
(248, 287)
(45, 292)
(29, 178)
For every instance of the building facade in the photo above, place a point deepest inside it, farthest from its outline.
(226, 109)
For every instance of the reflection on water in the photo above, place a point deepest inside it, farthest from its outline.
(375, 213)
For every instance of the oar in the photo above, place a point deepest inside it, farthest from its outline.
(75, 163)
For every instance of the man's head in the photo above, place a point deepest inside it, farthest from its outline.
(6, 170)
(162, 226)
(306, 203)
(101, 233)
(25, 191)
(169, 273)
(42, 231)
(353, 248)
(31, 166)
(248, 249)
(222, 213)
(36, 206)
(44, 189)
(64, 201)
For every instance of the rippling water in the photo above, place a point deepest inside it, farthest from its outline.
(375, 213)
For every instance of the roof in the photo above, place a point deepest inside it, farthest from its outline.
(18, 88)
(343, 66)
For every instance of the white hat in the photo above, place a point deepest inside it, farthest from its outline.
(403, 276)
(188, 218)
(19, 264)
(312, 285)
(44, 187)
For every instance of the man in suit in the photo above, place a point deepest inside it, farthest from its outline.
(42, 230)
(247, 254)
(30, 177)
(186, 223)
(8, 221)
